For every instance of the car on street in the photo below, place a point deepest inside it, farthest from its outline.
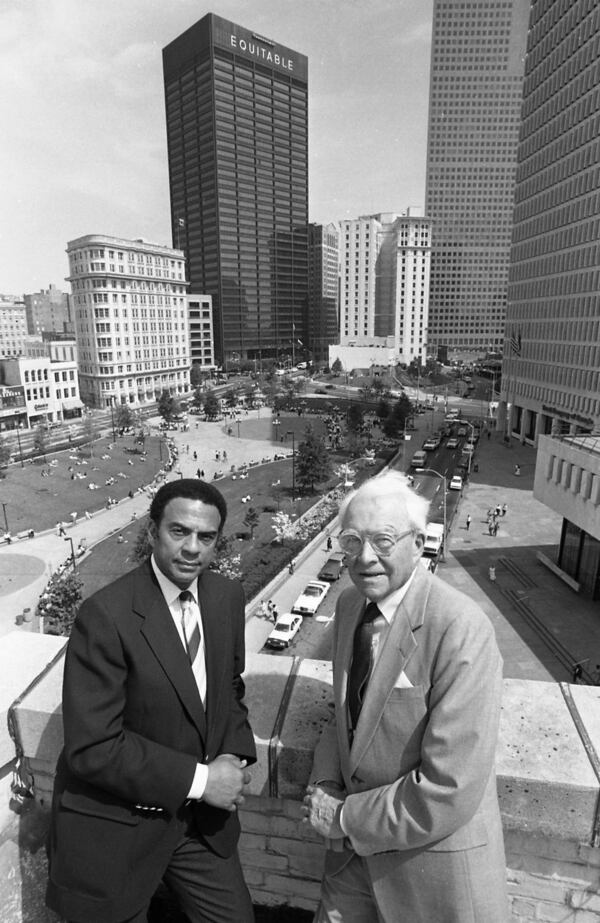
(286, 629)
(462, 430)
(456, 483)
(453, 443)
(332, 568)
(431, 444)
(311, 597)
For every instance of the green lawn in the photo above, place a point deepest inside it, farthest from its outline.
(33, 501)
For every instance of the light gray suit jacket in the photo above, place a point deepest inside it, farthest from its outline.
(421, 801)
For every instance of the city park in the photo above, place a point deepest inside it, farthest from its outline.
(307, 450)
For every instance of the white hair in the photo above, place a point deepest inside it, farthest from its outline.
(397, 487)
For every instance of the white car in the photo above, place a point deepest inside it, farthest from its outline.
(311, 598)
(453, 443)
(286, 629)
(456, 483)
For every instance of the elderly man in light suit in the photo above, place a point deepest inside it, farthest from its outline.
(403, 783)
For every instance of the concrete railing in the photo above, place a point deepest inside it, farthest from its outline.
(548, 768)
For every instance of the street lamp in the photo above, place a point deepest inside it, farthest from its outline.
(69, 539)
(20, 449)
(443, 479)
(112, 419)
(291, 433)
(276, 423)
(5, 519)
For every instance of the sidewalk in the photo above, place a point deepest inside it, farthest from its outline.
(543, 626)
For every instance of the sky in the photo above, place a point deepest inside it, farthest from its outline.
(83, 124)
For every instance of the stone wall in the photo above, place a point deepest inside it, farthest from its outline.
(548, 784)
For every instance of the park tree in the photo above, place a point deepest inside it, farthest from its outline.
(197, 375)
(39, 441)
(313, 463)
(198, 400)
(355, 418)
(394, 423)
(123, 416)
(283, 527)
(383, 409)
(166, 406)
(251, 520)
(336, 366)
(211, 405)
(5, 453)
(90, 430)
(378, 385)
(59, 602)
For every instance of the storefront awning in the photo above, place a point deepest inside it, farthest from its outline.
(72, 404)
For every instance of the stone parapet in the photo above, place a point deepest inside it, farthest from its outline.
(548, 784)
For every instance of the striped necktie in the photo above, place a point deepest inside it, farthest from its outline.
(191, 629)
(362, 660)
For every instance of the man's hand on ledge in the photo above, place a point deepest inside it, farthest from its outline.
(322, 808)
(227, 776)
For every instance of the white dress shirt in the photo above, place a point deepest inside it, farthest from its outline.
(171, 594)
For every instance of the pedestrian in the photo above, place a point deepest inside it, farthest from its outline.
(60, 529)
(489, 434)
(146, 788)
(399, 804)
(224, 455)
(504, 509)
(495, 528)
(88, 515)
(329, 543)
(7, 537)
(577, 673)
(468, 522)
(491, 526)
(517, 470)
(198, 473)
(498, 510)
(271, 609)
(492, 573)
(263, 611)
(195, 455)
(291, 567)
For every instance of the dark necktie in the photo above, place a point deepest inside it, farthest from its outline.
(192, 641)
(362, 660)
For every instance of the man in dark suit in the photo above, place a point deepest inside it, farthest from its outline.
(403, 782)
(156, 736)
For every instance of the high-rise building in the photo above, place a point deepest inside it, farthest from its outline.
(131, 320)
(477, 55)
(551, 367)
(48, 311)
(237, 134)
(323, 290)
(384, 288)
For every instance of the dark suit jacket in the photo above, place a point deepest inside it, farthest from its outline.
(134, 730)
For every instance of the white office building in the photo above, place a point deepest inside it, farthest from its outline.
(131, 320)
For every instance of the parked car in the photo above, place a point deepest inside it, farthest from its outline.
(434, 539)
(286, 629)
(332, 568)
(453, 443)
(311, 597)
(456, 483)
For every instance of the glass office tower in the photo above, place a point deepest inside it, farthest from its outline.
(237, 131)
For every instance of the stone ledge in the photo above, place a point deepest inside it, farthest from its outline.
(546, 782)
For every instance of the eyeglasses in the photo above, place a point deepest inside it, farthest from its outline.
(382, 543)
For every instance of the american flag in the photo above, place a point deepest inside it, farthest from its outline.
(515, 343)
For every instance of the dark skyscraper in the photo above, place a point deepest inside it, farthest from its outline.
(237, 130)
(477, 62)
